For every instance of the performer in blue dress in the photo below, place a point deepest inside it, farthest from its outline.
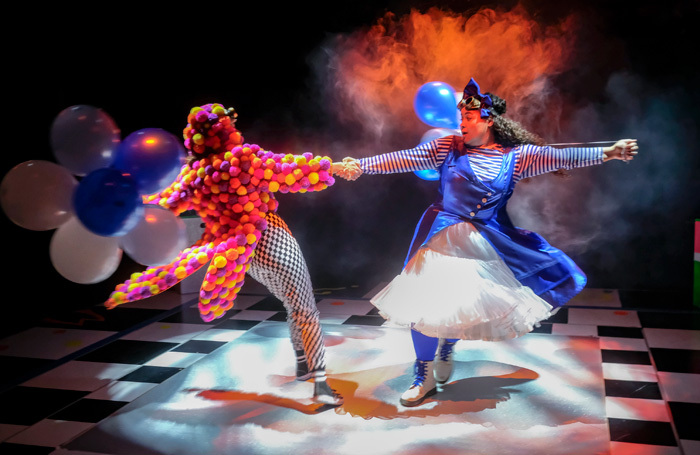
(470, 274)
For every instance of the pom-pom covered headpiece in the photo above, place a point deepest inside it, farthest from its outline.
(474, 99)
(211, 129)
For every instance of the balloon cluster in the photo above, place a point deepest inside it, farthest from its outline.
(91, 197)
(230, 184)
(435, 104)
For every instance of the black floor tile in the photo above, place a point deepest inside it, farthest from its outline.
(656, 299)
(676, 360)
(632, 389)
(373, 312)
(188, 316)
(199, 346)
(280, 316)
(128, 351)
(100, 318)
(628, 357)
(269, 303)
(151, 374)
(236, 324)
(666, 320)
(641, 432)
(22, 449)
(560, 317)
(620, 332)
(14, 370)
(685, 417)
(543, 328)
(365, 320)
(28, 405)
(88, 410)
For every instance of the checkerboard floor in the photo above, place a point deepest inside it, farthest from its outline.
(65, 375)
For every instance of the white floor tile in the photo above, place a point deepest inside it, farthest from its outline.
(121, 391)
(672, 338)
(7, 430)
(637, 409)
(575, 330)
(623, 344)
(625, 372)
(690, 447)
(169, 332)
(175, 359)
(614, 318)
(50, 433)
(50, 343)
(344, 306)
(219, 335)
(78, 375)
(597, 297)
(683, 387)
(626, 448)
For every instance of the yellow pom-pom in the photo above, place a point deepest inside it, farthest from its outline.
(218, 110)
(198, 139)
(180, 272)
(289, 179)
(202, 258)
(220, 262)
(155, 289)
(274, 186)
(300, 160)
(208, 286)
(313, 178)
(251, 238)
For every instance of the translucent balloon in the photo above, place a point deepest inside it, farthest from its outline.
(84, 138)
(38, 194)
(107, 202)
(428, 174)
(437, 133)
(157, 239)
(152, 157)
(435, 105)
(80, 256)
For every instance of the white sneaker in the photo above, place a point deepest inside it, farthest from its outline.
(423, 384)
(443, 361)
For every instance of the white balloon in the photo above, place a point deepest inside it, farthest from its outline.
(81, 256)
(437, 133)
(38, 195)
(156, 239)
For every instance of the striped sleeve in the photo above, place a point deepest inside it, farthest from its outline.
(535, 160)
(430, 155)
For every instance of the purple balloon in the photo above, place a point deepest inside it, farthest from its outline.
(152, 157)
(84, 138)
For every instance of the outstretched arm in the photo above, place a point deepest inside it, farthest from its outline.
(423, 157)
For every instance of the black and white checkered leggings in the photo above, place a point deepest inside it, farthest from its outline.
(279, 265)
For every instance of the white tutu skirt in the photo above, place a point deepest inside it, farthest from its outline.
(458, 287)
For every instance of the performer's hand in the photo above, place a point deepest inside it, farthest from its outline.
(349, 169)
(624, 149)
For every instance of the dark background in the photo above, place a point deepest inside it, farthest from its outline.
(147, 66)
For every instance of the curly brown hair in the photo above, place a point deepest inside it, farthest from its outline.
(508, 132)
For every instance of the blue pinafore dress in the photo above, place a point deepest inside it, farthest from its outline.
(470, 273)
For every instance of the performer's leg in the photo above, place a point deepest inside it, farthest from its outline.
(279, 265)
(423, 384)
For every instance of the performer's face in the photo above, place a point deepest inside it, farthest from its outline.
(476, 131)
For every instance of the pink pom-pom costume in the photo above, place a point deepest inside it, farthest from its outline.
(230, 185)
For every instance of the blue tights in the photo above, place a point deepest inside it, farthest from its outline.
(426, 346)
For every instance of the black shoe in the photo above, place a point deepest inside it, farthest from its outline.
(323, 393)
(303, 373)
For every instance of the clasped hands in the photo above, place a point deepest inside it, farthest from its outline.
(349, 169)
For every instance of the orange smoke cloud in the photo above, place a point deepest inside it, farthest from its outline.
(377, 71)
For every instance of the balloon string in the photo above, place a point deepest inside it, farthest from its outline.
(584, 143)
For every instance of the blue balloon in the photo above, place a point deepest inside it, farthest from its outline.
(107, 202)
(428, 174)
(436, 105)
(152, 157)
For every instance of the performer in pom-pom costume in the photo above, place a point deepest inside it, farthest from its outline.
(470, 273)
(231, 186)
